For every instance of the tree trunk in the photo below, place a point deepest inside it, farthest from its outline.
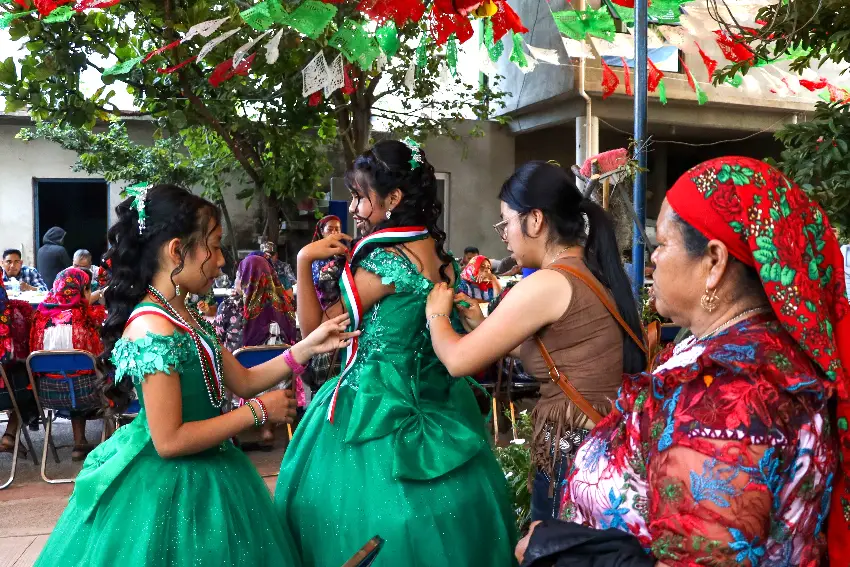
(228, 226)
(271, 230)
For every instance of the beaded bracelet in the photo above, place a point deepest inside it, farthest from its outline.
(263, 410)
(254, 413)
(289, 358)
(432, 317)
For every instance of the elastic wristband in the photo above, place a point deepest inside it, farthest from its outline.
(289, 358)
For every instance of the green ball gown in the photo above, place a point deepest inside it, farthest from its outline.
(131, 507)
(407, 456)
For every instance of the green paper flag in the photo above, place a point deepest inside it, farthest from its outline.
(7, 19)
(276, 11)
(258, 17)
(123, 68)
(662, 92)
(451, 54)
(387, 38)
(823, 94)
(355, 44)
(735, 81)
(422, 53)
(702, 98)
(576, 25)
(60, 14)
(312, 17)
(494, 48)
(517, 54)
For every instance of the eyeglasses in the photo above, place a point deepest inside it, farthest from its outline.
(502, 227)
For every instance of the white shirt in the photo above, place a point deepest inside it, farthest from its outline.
(846, 251)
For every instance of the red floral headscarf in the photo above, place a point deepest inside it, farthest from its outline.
(769, 223)
(66, 305)
(14, 328)
(472, 270)
(67, 293)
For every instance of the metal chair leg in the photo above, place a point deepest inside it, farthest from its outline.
(30, 446)
(48, 440)
(14, 458)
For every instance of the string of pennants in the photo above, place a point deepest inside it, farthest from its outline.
(683, 24)
(447, 24)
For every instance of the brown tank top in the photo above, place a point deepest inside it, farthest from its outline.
(586, 344)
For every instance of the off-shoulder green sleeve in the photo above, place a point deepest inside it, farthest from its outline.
(150, 354)
(397, 271)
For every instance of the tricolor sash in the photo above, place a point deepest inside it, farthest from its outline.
(351, 298)
(208, 353)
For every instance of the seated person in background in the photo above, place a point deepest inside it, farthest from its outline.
(15, 317)
(258, 313)
(478, 280)
(83, 260)
(469, 253)
(508, 267)
(13, 267)
(66, 320)
(283, 270)
(205, 305)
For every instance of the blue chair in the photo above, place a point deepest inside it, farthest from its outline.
(66, 364)
(7, 391)
(256, 355)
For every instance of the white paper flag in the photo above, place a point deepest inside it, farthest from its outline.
(210, 45)
(336, 76)
(410, 76)
(381, 62)
(445, 78)
(551, 56)
(622, 46)
(273, 47)
(486, 66)
(532, 63)
(579, 49)
(242, 52)
(315, 75)
(204, 29)
(676, 36)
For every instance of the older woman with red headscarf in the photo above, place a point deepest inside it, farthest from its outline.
(65, 320)
(478, 280)
(15, 317)
(258, 313)
(728, 452)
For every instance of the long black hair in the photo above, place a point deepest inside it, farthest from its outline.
(387, 166)
(171, 212)
(548, 188)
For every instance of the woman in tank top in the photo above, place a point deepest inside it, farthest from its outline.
(548, 225)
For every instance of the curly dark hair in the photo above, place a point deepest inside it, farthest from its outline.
(387, 166)
(171, 212)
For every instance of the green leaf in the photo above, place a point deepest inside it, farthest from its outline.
(763, 256)
(14, 105)
(788, 275)
(814, 272)
(178, 119)
(8, 73)
(775, 272)
(765, 243)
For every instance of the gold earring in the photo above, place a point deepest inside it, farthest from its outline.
(709, 300)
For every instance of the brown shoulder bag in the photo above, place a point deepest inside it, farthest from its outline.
(559, 377)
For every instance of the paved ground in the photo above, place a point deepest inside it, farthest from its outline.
(30, 507)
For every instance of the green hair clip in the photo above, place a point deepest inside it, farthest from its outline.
(415, 151)
(139, 192)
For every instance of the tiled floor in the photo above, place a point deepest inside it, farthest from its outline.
(20, 551)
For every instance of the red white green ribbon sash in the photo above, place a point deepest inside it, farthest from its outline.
(208, 352)
(351, 298)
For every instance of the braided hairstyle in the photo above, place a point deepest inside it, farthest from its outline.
(387, 166)
(171, 212)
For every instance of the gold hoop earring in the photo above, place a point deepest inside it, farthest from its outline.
(709, 300)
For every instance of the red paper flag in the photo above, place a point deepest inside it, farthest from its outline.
(444, 24)
(837, 94)
(156, 52)
(400, 11)
(45, 7)
(627, 79)
(23, 4)
(814, 85)
(178, 66)
(609, 81)
(654, 77)
(463, 7)
(87, 4)
(315, 98)
(733, 48)
(348, 87)
(225, 70)
(506, 19)
(702, 98)
(710, 64)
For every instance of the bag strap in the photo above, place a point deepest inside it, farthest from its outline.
(606, 301)
(566, 386)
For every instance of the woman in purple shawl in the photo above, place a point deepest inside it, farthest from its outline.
(258, 313)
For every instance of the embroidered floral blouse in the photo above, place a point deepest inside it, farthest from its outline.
(723, 456)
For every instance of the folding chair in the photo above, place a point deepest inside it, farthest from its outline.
(7, 391)
(256, 355)
(67, 366)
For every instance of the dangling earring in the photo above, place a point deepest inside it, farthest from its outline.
(177, 290)
(709, 300)
(389, 214)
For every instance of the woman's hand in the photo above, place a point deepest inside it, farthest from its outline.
(440, 300)
(328, 247)
(522, 546)
(470, 313)
(280, 406)
(327, 337)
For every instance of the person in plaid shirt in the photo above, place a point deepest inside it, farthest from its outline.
(13, 267)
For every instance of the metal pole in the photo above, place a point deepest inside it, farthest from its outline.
(639, 194)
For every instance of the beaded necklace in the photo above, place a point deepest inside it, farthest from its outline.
(210, 369)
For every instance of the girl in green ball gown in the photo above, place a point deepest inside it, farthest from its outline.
(395, 447)
(170, 488)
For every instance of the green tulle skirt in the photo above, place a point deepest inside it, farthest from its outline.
(209, 509)
(413, 468)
